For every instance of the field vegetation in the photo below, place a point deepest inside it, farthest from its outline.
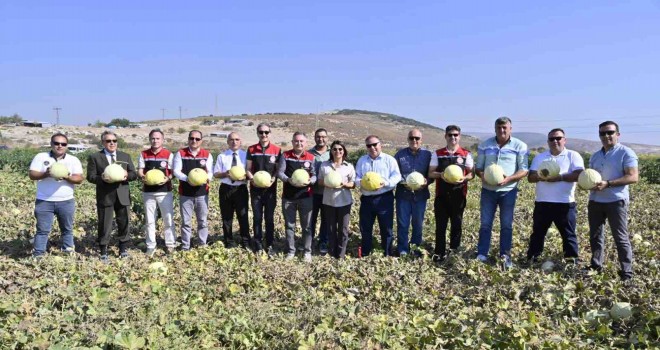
(230, 298)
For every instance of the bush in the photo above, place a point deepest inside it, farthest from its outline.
(17, 159)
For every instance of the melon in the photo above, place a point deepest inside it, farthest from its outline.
(114, 173)
(262, 179)
(371, 181)
(332, 179)
(621, 311)
(494, 174)
(300, 178)
(58, 170)
(197, 177)
(158, 267)
(548, 266)
(453, 174)
(154, 177)
(588, 179)
(237, 173)
(596, 316)
(415, 180)
(548, 168)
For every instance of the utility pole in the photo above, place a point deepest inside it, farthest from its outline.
(57, 115)
(179, 112)
(163, 111)
(216, 105)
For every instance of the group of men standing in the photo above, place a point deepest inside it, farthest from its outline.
(555, 196)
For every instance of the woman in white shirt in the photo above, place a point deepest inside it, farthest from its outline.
(337, 201)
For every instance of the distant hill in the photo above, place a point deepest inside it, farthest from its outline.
(536, 140)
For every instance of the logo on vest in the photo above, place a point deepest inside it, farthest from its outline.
(459, 160)
(272, 159)
(202, 162)
(163, 164)
(306, 165)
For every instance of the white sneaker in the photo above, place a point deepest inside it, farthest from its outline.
(308, 258)
(289, 256)
(506, 261)
(482, 258)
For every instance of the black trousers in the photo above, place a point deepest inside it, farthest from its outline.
(564, 216)
(234, 199)
(105, 215)
(263, 209)
(448, 207)
(337, 220)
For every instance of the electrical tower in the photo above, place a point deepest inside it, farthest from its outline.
(57, 115)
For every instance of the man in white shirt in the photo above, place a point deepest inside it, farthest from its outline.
(233, 193)
(193, 198)
(555, 196)
(55, 195)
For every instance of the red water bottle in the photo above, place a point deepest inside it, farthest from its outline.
(359, 252)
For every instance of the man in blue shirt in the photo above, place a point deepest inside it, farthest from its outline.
(617, 164)
(511, 154)
(411, 205)
(378, 203)
(321, 154)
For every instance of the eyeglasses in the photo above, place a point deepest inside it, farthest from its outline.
(263, 132)
(558, 138)
(111, 141)
(194, 139)
(338, 150)
(370, 145)
(63, 144)
(414, 138)
(453, 135)
(608, 132)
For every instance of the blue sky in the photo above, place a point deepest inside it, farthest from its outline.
(544, 64)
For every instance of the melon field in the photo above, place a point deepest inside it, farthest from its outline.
(215, 297)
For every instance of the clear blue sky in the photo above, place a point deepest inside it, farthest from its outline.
(545, 64)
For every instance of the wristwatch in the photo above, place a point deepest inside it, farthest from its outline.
(608, 183)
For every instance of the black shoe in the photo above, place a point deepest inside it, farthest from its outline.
(104, 258)
(270, 251)
(123, 254)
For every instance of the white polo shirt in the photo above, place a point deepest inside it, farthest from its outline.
(49, 189)
(561, 191)
(223, 164)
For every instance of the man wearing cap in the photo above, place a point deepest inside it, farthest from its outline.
(158, 196)
(618, 167)
(233, 193)
(411, 204)
(378, 203)
(555, 196)
(55, 195)
(193, 198)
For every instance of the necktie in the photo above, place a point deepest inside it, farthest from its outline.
(113, 158)
(234, 162)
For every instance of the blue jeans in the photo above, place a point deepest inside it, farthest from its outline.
(407, 211)
(490, 200)
(44, 211)
(382, 207)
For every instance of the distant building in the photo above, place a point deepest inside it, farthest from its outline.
(220, 134)
(36, 124)
(136, 125)
(236, 121)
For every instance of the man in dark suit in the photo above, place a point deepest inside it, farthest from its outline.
(111, 196)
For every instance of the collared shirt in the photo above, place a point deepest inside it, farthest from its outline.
(512, 157)
(223, 164)
(109, 155)
(337, 197)
(385, 165)
(177, 165)
(409, 162)
(49, 189)
(560, 191)
(318, 159)
(611, 165)
(162, 160)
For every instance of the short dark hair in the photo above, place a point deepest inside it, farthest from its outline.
(555, 130)
(338, 143)
(262, 125)
(609, 122)
(503, 120)
(108, 132)
(452, 127)
(320, 130)
(156, 130)
(371, 137)
(195, 130)
(58, 134)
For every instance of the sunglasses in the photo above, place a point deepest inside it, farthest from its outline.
(263, 132)
(370, 145)
(111, 141)
(63, 144)
(453, 135)
(338, 149)
(194, 139)
(414, 138)
(608, 132)
(558, 138)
